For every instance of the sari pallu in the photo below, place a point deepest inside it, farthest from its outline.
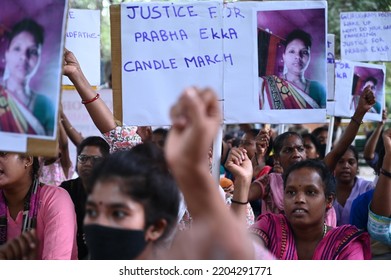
(281, 94)
(339, 243)
(15, 117)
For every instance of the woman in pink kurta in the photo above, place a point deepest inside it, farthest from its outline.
(26, 204)
(301, 233)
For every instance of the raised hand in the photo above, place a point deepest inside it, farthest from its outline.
(239, 164)
(262, 141)
(367, 99)
(145, 133)
(71, 65)
(196, 118)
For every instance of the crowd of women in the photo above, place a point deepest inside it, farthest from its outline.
(143, 196)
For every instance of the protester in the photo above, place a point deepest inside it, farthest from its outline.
(27, 204)
(91, 150)
(289, 149)
(375, 142)
(348, 185)
(301, 233)
(379, 219)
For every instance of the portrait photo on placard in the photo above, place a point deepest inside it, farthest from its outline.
(31, 48)
(292, 59)
(373, 78)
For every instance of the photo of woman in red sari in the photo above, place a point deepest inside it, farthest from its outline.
(292, 90)
(23, 110)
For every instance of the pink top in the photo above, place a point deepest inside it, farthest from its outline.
(56, 225)
(53, 174)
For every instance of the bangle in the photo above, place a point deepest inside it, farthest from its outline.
(239, 202)
(85, 102)
(385, 173)
(356, 121)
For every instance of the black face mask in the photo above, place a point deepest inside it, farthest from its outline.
(108, 243)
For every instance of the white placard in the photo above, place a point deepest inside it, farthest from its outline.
(83, 39)
(169, 46)
(366, 36)
(178, 45)
(11, 142)
(350, 79)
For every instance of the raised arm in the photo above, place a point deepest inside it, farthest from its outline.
(75, 136)
(101, 115)
(367, 100)
(240, 166)
(381, 201)
(65, 159)
(262, 141)
(196, 118)
(370, 145)
(379, 216)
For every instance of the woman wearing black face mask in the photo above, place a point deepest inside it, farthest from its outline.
(132, 206)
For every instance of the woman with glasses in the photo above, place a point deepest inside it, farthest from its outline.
(26, 204)
(91, 150)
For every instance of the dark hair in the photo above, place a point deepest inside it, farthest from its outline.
(161, 131)
(143, 175)
(253, 131)
(36, 166)
(320, 167)
(228, 136)
(314, 141)
(354, 150)
(94, 141)
(30, 26)
(371, 79)
(317, 131)
(301, 35)
(279, 141)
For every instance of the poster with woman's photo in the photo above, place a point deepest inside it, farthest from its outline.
(290, 65)
(351, 80)
(31, 48)
(291, 62)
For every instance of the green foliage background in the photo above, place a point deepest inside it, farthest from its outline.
(335, 7)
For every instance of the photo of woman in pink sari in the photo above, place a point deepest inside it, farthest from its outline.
(291, 89)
